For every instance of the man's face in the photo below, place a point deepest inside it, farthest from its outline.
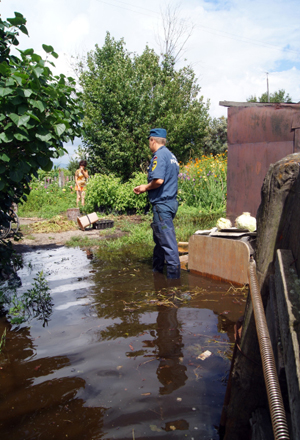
(151, 144)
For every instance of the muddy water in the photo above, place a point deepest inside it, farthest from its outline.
(119, 358)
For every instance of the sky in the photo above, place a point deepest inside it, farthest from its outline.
(235, 45)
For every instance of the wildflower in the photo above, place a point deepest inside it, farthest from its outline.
(64, 189)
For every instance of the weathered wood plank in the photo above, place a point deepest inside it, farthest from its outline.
(287, 286)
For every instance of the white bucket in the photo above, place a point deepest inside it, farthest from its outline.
(87, 220)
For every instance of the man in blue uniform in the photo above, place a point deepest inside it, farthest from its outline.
(162, 189)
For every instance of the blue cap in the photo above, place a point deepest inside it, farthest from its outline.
(158, 133)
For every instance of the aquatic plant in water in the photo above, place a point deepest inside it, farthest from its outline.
(35, 303)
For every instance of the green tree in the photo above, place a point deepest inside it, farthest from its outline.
(125, 95)
(215, 141)
(279, 96)
(38, 112)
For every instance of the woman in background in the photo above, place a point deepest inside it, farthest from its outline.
(81, 176)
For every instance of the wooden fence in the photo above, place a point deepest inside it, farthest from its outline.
(61, 179)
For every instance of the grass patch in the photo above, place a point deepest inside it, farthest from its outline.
(47, 200)
(139, 237)
(83, 242)
(30, 237)
(58, 223)
(189, 220)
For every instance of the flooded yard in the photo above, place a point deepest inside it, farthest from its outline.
(122, 356)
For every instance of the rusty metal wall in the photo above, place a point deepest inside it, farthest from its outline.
(257, 137)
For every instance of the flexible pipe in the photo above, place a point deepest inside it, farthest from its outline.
(276, 407)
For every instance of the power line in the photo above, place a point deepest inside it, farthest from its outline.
(128, 4)
(245, 39)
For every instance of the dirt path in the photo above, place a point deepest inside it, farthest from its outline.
(32, 240)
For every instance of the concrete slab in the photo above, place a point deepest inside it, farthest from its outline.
(219, 258)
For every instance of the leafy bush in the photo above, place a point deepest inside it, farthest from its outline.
(127, 200)
(38, 112)
(102, 192)
(107, 193)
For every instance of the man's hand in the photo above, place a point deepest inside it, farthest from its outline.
(155, 183)
(140, 189)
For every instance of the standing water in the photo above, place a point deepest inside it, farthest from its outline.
(123, 356)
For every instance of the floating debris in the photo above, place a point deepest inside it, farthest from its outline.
(206, 354)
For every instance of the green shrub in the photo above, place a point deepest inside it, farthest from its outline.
(127, 200)
(102, 193)
(107, 193)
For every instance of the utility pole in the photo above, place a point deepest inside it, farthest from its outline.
(268, 93)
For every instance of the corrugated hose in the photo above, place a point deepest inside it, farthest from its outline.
(276, 407)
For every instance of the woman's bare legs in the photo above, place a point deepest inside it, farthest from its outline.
(78, 197)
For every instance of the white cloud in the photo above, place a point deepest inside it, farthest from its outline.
(76, 30)
(233, 45)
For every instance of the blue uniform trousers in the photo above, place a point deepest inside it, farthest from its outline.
(166, 248)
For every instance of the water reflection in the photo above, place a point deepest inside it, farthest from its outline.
(170, 372)
(120, 354)
(33, 406)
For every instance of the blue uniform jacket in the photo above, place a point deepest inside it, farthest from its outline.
(163, 165)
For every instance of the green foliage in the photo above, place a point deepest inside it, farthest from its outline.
(126, 199)
(139, 236)
(34, 303)
(125, 95)
(215, 142)
(202, 183)
(38, 112)
(102, 192)
(279, 96)
(107, 193)
(48, 199)
(10, 260)
(189, 220)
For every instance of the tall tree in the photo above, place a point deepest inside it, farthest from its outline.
(125, 95)
(38, 112)
(174, 33)
(279, 96)
(215, 141)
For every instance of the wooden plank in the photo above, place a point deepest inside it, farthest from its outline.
(183, 246)
(219, 258)
(184, 259)
(287, 287)
(259, 104)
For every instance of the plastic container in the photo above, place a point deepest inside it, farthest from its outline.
(103, 224)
